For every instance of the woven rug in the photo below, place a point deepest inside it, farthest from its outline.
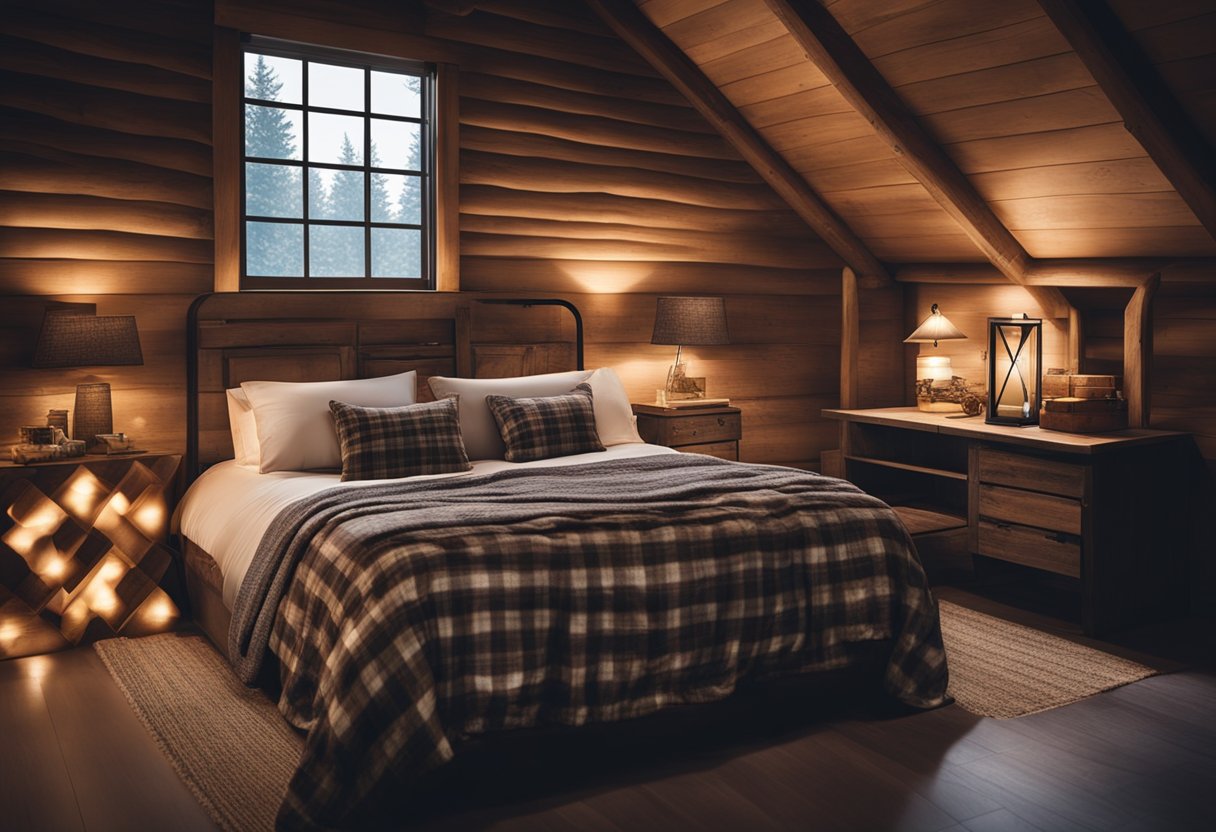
(227, 742)
(236, 753)
(1005, 670)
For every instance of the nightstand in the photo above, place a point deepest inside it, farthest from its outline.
(700, 430)
(83, 549)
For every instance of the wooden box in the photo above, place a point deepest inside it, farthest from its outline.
(1082, 415)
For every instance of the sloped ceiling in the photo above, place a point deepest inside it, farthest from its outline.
(999, 89)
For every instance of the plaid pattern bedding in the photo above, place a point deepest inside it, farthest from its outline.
(423, 613)
(546, 426)
(380, 443)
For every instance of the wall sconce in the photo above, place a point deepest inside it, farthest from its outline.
(1015, 360)
(75, 340)
(934, 374)
(688, 322)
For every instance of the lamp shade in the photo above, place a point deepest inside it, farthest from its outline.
(936, 327)
(68, 340)
(690, 322)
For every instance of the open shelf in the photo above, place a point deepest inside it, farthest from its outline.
(921, 521)
(904, 466)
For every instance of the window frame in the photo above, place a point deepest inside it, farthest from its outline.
(429, 140)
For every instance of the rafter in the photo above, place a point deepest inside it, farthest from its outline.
(1083, 273)
(624, 18)
(850, 71)
(1149, 110)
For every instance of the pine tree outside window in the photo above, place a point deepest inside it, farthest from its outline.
(338, 171)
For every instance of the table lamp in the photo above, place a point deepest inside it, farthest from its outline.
(75, 340)
(688, 321)
(934, 373)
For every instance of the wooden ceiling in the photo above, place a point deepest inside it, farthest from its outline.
(1035, 155)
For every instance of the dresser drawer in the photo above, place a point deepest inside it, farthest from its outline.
(1030, 508)
(689, 430)
(722, 450)
(1028, 546)
(1030, 472)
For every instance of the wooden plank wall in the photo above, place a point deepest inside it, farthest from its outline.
(582, 174)
(603, 185)
(105, 195)
(968, 307)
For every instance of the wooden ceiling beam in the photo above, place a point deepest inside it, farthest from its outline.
(1078, 274)
(1149, 110)
(855, 77)
(633, 27)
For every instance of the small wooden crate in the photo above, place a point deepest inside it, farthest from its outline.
(1079, 415)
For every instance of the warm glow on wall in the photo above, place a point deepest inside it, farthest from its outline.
(606, 277)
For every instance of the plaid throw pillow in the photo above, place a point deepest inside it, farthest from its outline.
(546, 426)
(380, 443)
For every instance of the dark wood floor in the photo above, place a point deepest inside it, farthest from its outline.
(72, 756)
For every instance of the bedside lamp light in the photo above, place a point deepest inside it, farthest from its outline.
(74, 340)
(685, 321)
(934, 372)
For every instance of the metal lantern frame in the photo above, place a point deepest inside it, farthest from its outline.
(1030, 336)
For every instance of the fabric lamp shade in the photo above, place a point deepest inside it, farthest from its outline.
(936, 327)
(69, 340)
(73, 340)
(690, 322)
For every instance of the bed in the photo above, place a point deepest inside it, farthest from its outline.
(405, 616)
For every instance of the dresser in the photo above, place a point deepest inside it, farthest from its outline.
(1108, 511)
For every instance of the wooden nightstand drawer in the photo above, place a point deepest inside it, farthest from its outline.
(722, 450)
(722, 427)
(1053, 551)
(1014, 505)
(1033, 473)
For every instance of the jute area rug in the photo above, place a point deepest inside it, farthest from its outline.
(236, 753)
(1005, 670)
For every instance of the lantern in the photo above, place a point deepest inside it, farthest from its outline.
(1015, 358)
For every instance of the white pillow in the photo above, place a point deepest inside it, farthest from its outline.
(477, 425)
(244, 429)
(613, 414)
(295, 428)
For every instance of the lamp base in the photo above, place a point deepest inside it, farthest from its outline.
(680, 385)
(94, 415)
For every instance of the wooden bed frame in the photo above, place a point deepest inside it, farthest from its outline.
(327, 336)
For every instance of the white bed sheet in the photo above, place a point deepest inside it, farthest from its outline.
(228, 509)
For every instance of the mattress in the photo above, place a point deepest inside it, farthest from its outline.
(229, 507)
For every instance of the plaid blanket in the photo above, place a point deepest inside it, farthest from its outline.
(408, 616)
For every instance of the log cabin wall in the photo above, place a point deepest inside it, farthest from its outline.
(582, 174)
(105, 195)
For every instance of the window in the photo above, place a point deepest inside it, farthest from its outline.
(337, 174)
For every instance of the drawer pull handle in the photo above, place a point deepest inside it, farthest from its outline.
(721, 422)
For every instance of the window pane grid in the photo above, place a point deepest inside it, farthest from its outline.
(395, 201)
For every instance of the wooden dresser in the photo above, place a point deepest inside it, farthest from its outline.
(1109, 510)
